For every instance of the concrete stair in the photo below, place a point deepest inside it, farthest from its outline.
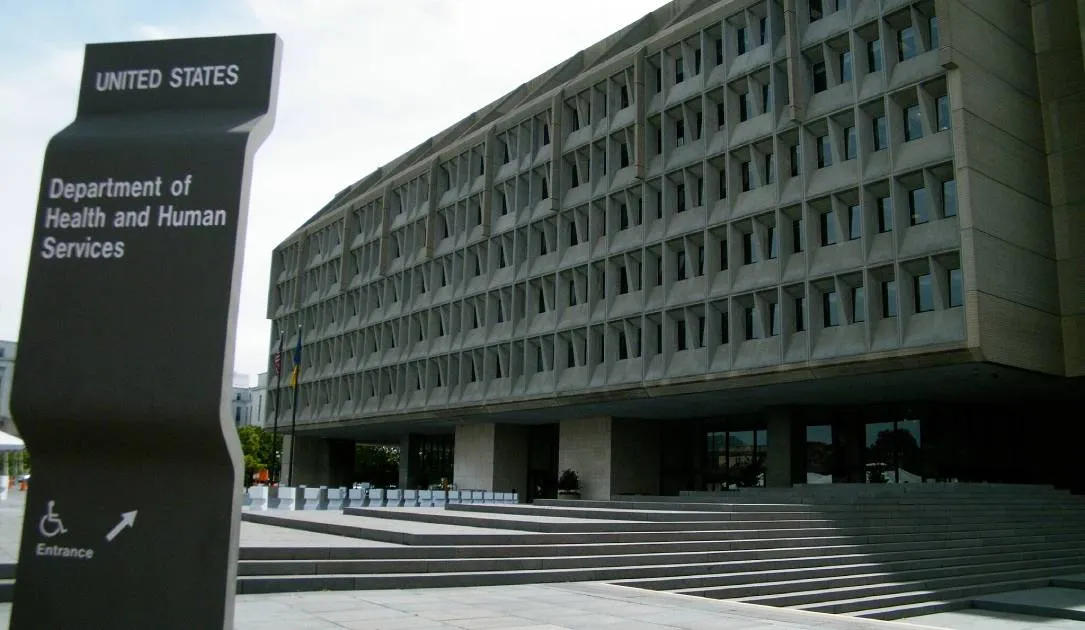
(887, 552)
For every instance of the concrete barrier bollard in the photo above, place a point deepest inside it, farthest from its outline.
(376, 497)
(454, 496)
(258, 499)
(356, 498)
(440, 498)
(478, 496)
(425, 498)
(310, 498)
(287, 498)
(489, 496)
(395, 497)
(335, 499)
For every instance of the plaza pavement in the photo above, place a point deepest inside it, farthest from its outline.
(572, 606)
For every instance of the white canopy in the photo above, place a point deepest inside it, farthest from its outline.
(9, 442)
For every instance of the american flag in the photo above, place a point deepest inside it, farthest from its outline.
(277, 361)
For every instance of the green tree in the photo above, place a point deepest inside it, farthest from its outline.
(258, 446)
(377, 464)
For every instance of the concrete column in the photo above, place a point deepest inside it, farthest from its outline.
(404, 461)
(491, 457)
(585, 446)
(317, 461)
(786, 453)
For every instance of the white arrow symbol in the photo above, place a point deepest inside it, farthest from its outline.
(128, 519)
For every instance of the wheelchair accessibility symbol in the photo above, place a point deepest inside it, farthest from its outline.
(50, 525)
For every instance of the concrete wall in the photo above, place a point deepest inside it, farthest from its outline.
(1007, 245)
(1058, 29)
(585, 446)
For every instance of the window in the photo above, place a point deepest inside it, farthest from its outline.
(770, 168)
(659, 79)
(572, 294)
(723, 255)
(924, 296)
(743, 38)
(889, 298)
(881, 133)
(825, 151)
(541, 297)
(545, 193)
(623, 281)
(546, 134)
(720, 117)
(744, 169)
(935, 36)
(956, 288)
(796, 160)
(798, 236)
(749, 256)
(763, 29)
(725, 332)
(830, 308)
(919, 201)
(680, 335)
(623, 96)
(816, 11)
(698, 127)
(766, 98)
(775, 323)
(719, 51)
(623, 352)
(942, 106)
(744, 107)
(679, 132)
(949, 198)
(574, 176)
(700, 261)
(874, 55)
(751, 321)
(855, 222)
(858, 304)
(845, 66)
(574, 239)
(679, 70)
(906, 48)
(885, 214)
(623, 217)
(680, 198)
(821, 81)
(774, 249)
(800, 314)
(680, 266)
(913, 123)
(623, 155)
(697, 61)
(828, 228)
(851, 144)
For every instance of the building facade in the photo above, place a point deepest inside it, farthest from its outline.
(7, 373)
(249, 403)
(736, 243)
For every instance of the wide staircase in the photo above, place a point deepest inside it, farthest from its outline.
(884, 552)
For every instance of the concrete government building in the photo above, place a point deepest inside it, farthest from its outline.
(745, 242)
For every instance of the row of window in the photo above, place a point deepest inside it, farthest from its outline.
(687, 328)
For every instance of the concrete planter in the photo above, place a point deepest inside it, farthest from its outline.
(569, 494)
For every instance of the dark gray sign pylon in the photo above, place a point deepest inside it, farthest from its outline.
(126, 344)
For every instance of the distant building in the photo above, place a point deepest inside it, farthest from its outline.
(7, 372)
(249, 402)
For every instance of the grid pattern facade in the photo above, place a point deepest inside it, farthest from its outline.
(742, 190)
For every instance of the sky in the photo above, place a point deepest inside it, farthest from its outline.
(362, 82)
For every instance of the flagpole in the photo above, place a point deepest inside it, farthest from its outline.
(275, 425)
(294, 415)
